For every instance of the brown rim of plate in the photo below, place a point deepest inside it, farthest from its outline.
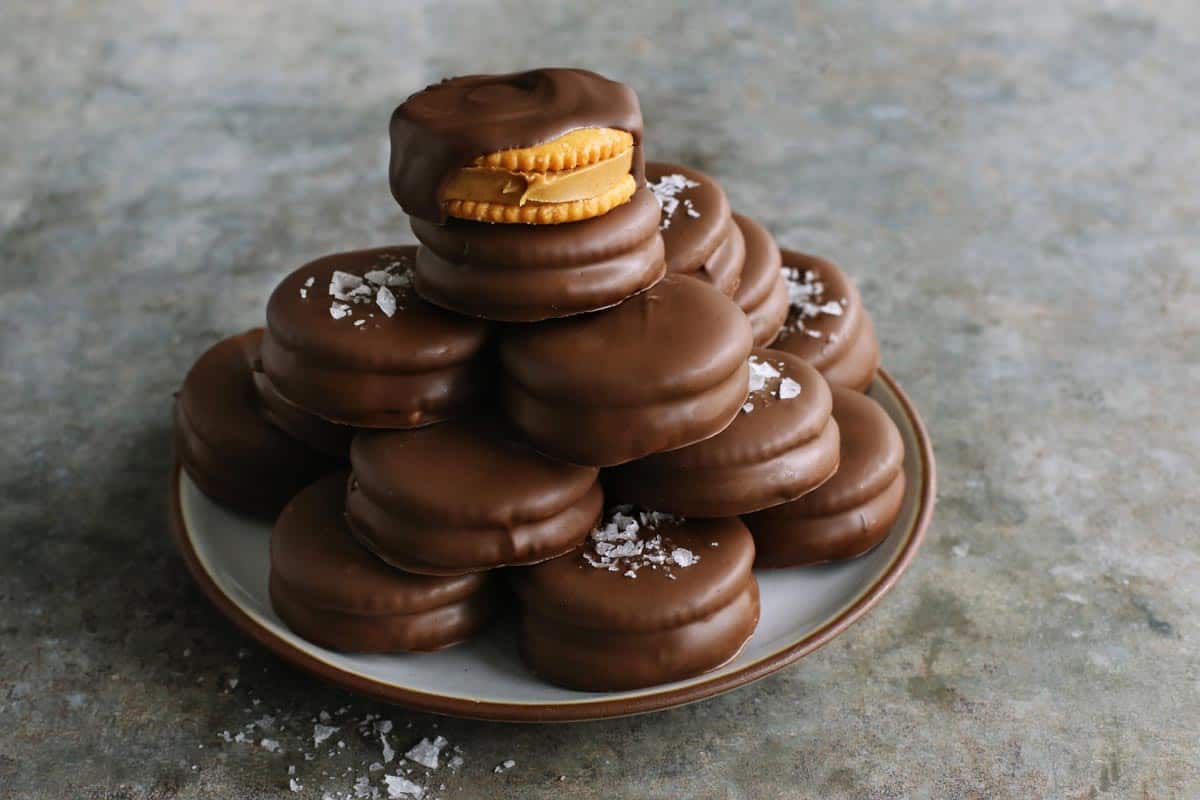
(598, 709)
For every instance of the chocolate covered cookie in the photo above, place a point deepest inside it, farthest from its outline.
(529, 273)
(854, 510)
(465, 496)
(348, 339)
(780, 446)
(331, 591)
(647, 599)
(698, 229)
(224, 442)
(316, 432)
(662, 370)
(827, 324)
(546, 146)
(762, 292)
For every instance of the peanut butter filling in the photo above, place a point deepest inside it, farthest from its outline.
(496, 185)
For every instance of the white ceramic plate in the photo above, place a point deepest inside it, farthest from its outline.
(802, 608)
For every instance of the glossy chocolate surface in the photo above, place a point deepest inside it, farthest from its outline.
(316, 432)
(662, 370)
(526, 273)
(691, 238)
(447, 125)
(225, 443)
(333, 592)
(854, 509)
(595, 629)
(842, 347)
(723, 269)
(761, 291)
(420, 365)
(465, 496)
(774, 453)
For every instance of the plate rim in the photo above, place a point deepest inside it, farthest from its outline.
(600, 708)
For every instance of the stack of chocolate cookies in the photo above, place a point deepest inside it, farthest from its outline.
(592, 386)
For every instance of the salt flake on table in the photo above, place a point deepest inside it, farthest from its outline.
(504, 766)
(270, 745)
(426, 752)
(323, 732)
(400, 786)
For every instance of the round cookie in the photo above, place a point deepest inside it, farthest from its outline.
(723, 269)
(854, 510)
(647, 599)
(762, 292)
(546, 146)
(781, 446)
(662, 370)
(330, 591)
(317, 432)
(226, 445)
(827, 324)
(695, 214)
(348, 339)
(465, 496)
(530, 273)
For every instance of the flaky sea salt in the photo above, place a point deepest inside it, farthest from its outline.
(426, 752)
(806, 296)
(322, 732)
(763, 383)
(684, 557)
(373, 287)
(295, 785)
(341, 284)
(386, 301)
(666, 190)
(761, 372)
(627, 541)
(504, 766)
(400, 786)
(270, 745)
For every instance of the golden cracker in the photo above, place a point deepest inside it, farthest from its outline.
(544, 213)
(579, 148)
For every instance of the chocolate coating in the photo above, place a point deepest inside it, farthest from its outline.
(465, 496)
(846, 349)
(762, 291)
(526, 273)
(418, 366)
(224, 442)
(664, 369)
(723, 269)
(692, 240)
(775, 453)
(449, 124)
(318, 433)
(854, 510)
(593, 629)
(335, 594)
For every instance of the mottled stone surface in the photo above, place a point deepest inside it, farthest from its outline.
(1016, 186)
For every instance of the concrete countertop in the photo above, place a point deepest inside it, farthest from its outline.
(1015, 185)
